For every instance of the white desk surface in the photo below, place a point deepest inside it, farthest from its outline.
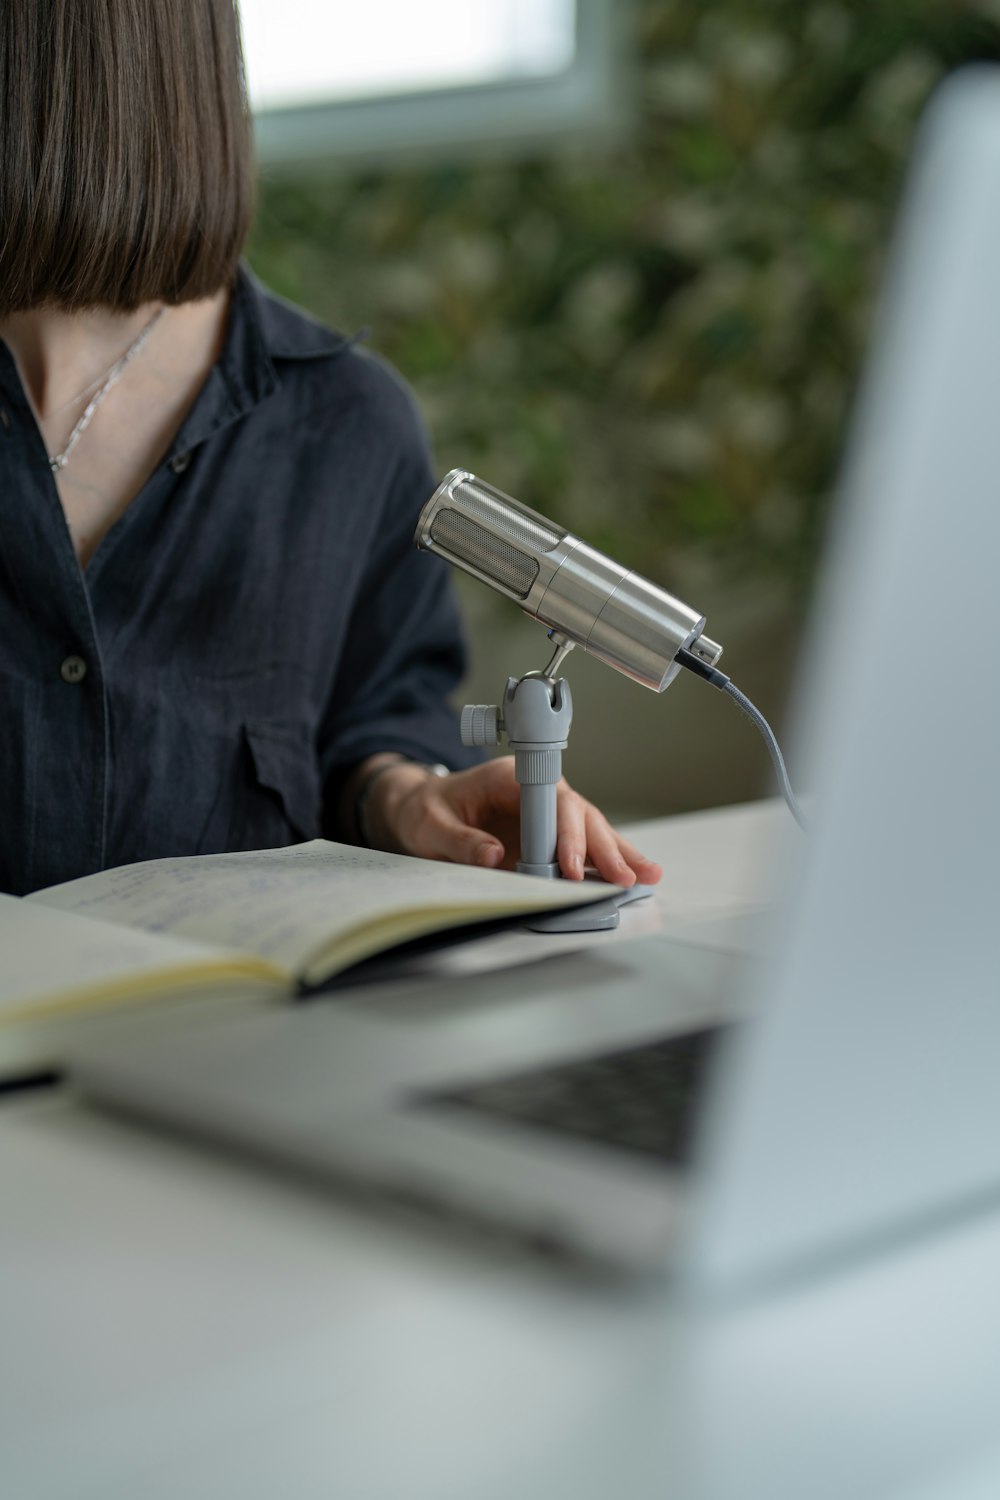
(176, 1324)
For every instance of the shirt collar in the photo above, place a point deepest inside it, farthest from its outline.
(262, 329)
(286, 332)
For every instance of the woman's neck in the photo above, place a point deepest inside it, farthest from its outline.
(59, 354)
(63, 360)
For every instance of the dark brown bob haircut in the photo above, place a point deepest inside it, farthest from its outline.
(126, 161)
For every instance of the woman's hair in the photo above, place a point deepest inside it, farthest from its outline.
(126, 164)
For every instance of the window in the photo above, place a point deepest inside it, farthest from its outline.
(390, 75)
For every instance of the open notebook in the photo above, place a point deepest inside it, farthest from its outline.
(271, 922)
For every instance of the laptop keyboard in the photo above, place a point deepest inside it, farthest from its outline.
(640, 1099)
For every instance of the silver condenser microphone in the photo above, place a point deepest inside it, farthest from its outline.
(569, 587)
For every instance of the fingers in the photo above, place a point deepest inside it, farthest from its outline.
(432, 829)
(471, 817)
(602, 845)
(647, 871)
(585, 834)
(571, 842)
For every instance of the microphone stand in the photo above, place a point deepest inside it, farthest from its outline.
(535, 719)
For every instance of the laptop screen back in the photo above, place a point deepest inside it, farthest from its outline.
(866, 1105)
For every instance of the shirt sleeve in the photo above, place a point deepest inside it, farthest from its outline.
(404, 651)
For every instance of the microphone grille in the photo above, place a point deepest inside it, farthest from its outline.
(466, 540)
(522, 525)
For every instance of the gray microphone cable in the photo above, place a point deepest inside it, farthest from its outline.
(724, 684)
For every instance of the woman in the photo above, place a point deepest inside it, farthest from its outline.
(215, 632)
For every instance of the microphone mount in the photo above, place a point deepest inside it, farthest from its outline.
(535, 718)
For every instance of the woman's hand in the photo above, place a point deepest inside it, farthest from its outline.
(473, 818)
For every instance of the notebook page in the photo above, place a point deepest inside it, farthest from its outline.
(288, 904)
(50, 960)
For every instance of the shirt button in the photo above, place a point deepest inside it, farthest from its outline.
(73, 669)
(179, 462)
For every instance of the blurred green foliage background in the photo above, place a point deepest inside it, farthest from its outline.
(656, 343)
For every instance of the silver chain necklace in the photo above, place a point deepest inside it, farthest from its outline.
(59, 461)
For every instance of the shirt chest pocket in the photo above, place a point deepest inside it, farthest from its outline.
(274, 795)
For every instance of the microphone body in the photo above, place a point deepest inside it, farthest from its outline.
(614, 614)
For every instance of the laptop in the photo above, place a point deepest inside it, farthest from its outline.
(650, 1103)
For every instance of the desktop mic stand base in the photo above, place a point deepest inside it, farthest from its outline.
(535, 718)
(598, 916)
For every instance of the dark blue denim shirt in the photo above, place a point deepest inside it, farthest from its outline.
(255, 624)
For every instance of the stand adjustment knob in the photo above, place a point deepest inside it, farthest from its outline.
(481, 724)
